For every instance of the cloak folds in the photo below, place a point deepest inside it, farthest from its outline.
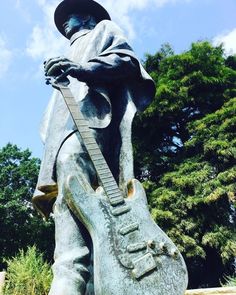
(103, 50)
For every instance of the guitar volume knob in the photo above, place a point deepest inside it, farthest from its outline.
(151, 244)
(173, 253)
(163, 246)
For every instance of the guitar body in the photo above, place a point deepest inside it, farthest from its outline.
(132, 255)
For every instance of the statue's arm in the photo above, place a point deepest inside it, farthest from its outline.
(103, 68)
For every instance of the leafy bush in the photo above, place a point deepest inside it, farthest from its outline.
(230, 282)
(27, 274)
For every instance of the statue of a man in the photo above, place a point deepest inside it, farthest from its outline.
(109, 85)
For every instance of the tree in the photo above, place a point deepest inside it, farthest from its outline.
(189, 86)
(20, 226)
(186, 152)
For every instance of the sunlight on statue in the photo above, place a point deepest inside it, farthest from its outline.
(106, 241)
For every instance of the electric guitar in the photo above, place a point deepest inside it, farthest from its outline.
(132, 255)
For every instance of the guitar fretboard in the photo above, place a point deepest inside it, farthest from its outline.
(108, 182)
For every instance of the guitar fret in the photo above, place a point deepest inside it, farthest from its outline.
(104, 174)
(92, 149)
(103, 170)
(82, 123)
(128, 228)
(115, 202)
(118, 197)
(88, 136)
(106, 185)
(73, 105)
(115, 195)
(108, 180)
(100, 164)
(115, 188)
(97, 157)
(69, 97)
(120, 210)
(112, 188)
(89, 141)
(103, 166)
(91, 146)
(94, 155)
(83, 130)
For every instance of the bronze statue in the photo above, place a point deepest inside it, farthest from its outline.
(109, 85)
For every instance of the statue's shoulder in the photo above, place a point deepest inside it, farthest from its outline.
(109, 27)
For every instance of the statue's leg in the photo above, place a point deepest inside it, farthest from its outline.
(72, 267)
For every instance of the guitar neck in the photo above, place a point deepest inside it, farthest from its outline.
(103, 171)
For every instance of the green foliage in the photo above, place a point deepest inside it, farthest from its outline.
(20, 226)
(28, 274)
(230, 282)
(185, 151)
(189, 86)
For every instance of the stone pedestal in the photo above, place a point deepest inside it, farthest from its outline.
(213, 291)
(2, 281)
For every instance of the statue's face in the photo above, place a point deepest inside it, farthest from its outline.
(74, 23)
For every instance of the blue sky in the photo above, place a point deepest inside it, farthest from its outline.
(28, 37)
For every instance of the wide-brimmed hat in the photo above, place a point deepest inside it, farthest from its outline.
(67, 7)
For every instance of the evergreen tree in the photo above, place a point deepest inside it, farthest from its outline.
(189, 86)
(186, 151)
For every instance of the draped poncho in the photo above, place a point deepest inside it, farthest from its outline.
(113, 73)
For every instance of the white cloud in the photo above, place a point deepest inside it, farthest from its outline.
(22, 9)
(5, 57)
(229, 41)
(120, 10)
(44, 41)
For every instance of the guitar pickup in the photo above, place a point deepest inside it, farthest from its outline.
(137, 247)
(120, 210)
(143, 265)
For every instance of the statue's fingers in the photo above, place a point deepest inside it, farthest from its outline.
(53, 61)
(57, 68)
(61, 77)
(67, 66)
(49, 61)
(53, 70)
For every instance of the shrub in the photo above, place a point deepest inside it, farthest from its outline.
(230, 281)
(28, 274)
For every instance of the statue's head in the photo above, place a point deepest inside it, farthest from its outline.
(77, 22)
(72, 15)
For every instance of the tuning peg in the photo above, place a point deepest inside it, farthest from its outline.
(173, 253)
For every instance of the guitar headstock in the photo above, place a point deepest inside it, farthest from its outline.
(57, 84)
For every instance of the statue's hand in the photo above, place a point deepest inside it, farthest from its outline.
(61, 67)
